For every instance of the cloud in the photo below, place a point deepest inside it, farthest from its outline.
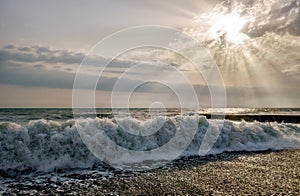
(8, 47)
(24, 49)
(29, 66)
(39, 66)
(45, 67)
(54, 79)
(35, 54)
(48, 59)
(16, 74)
(275, 16)
(44, 55)
(261, 17)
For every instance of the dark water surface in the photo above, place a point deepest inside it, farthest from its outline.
(24, 115)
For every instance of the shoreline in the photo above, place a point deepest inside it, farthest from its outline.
(265, 172)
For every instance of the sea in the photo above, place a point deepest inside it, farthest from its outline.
(42, 146)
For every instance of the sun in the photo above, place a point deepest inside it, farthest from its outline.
(223, 28)
(232, 24)
(228, 27)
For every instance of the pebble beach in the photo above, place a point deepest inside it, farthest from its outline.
(255, 173)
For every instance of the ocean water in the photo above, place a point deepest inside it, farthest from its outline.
(40, 142)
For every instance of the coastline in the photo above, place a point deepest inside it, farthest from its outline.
(265, 172)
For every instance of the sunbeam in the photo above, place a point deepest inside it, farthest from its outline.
(249, 48)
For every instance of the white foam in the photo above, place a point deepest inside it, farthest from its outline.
(48, 145)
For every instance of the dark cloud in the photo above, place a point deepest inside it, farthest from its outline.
(40, 49)
(9, 64)
(45, 55)
(10, 46)
(56, 79)
(35, 78)
(38, 66)
(29, 66)
(36, 54)
(23, 76)
(283, 17)
(69, 69)
(24, 49)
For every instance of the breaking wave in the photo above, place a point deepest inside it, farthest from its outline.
(46, 146)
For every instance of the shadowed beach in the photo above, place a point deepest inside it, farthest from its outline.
(268, 172)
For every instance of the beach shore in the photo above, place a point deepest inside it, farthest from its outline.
(228, 173)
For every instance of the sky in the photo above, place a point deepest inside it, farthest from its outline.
(255, 45)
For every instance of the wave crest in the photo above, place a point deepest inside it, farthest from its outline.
(44, 145)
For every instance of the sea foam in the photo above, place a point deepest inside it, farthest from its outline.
(46, 146)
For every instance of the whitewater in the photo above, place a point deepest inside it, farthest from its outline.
(44, 145)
